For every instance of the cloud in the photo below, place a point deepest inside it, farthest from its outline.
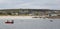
(39, 4)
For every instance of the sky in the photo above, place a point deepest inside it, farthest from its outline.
(33, 4)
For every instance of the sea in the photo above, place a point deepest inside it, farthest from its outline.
(40, 23)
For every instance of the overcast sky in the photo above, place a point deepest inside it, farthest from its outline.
(39, 4)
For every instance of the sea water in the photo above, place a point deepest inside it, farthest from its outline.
(31, 24)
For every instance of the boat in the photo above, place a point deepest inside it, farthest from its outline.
(9, 22)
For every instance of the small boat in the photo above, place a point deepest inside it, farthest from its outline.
(9, 22)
